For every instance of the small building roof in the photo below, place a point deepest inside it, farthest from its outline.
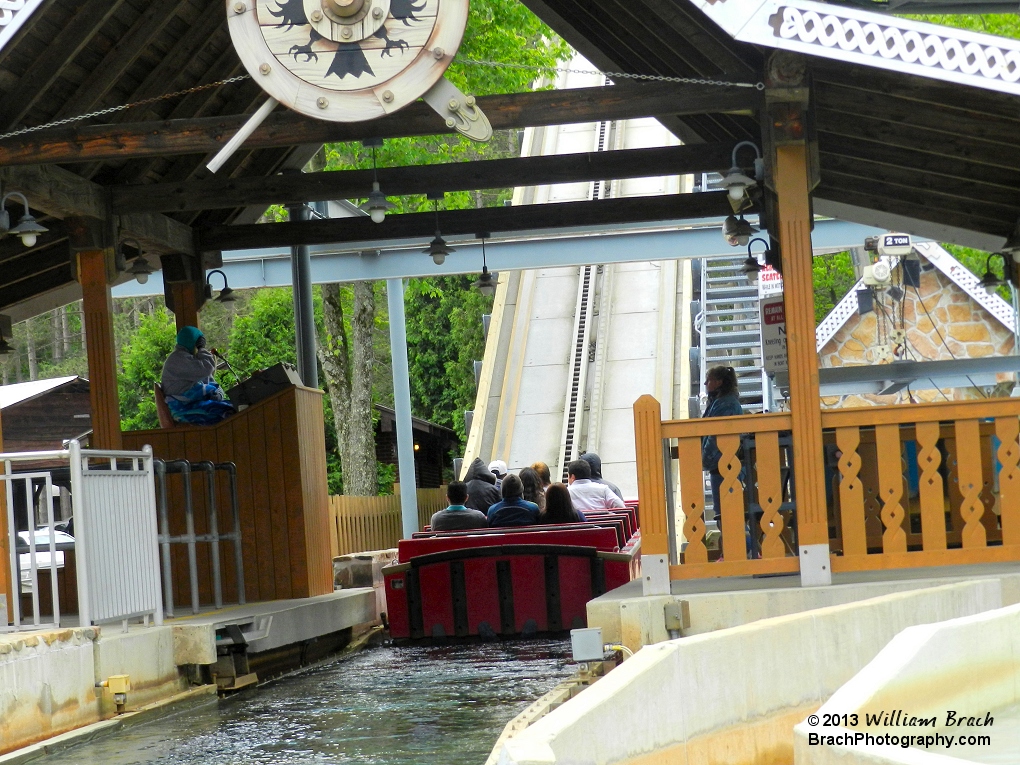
(16, 393)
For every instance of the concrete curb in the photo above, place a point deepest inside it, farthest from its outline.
(95, 730)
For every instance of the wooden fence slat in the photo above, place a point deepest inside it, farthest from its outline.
(932, 491)
(692, 499)
(1008, 431)
(770, 494)
(851, 492)
(968, 472)
(890, 480)
(731, 499)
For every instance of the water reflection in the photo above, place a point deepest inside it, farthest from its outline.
(384, 706)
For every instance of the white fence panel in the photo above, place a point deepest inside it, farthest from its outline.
(117, 537)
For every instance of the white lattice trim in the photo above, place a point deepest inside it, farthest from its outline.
(907, 45)
(872, 39)
(837, 317)
(13, 14)
(965, 279)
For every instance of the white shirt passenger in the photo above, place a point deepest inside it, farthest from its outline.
(587, 495)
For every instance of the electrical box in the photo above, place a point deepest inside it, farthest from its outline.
(879, 274)
(586, 644)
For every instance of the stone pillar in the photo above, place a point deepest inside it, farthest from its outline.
(97, 308)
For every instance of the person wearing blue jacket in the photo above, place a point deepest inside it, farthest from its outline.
(723, 401)
(513, 509)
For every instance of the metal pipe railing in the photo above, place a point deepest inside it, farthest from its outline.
(231, 470)
(185, 468)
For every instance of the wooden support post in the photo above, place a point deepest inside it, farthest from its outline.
(794, 214)
(97, 307)
(185, 300)
(651, 481)
(6, 585)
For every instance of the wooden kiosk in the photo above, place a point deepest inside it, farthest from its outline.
(278, 446)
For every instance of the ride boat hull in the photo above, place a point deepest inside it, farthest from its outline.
(512, 582)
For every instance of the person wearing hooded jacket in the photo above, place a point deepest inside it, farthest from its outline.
(481, 487)
(596, 472)
(191, 393)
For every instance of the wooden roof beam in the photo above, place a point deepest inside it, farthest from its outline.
(285, 128)
(601, 212)
(226, 193)
(61, 193)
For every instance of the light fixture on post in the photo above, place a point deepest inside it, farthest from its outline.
(5, 347)
(737, 232)
(376, 205)
(140, 268)
(751, 267)
(737, 183)
(486, 283)
(438, 248)
(28, 229)
(226, 294)
(990, 281)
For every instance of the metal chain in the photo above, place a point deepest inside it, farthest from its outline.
(614, 75)
(495, 64)
(113, 109)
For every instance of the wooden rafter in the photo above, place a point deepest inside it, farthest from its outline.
(61, 193)
(68, 42)
(601, 213)
(223, 193)
(119, 58)
(284, 129)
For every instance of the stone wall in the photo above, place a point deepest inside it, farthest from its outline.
(937, 311)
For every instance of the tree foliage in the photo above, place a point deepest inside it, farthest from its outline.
(141, 362)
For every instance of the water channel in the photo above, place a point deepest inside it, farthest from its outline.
(381, 706)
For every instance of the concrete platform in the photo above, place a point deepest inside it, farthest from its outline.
(271, 625)
(627, 617)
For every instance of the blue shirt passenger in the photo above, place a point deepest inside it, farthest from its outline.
(513, 510)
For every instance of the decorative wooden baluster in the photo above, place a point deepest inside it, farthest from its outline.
(890, 480)
(692, 499)
(851, 492)
(770, 494)
(933, 509)
(731, 498)
(968, 470)
(1008, 431)
(988, 519)
(953, 489)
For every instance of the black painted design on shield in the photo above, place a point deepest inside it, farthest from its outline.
(405, 10)
(349, 59)
(400, 45)
(291, 14)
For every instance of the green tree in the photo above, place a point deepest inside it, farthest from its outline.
(141, 365)
(444, 336)
(444, 315)
(833, 278)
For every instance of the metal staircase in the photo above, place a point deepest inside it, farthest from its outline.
(727, 324)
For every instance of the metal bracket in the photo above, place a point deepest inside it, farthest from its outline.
(459, 110)
(654, 575)
(814, 566)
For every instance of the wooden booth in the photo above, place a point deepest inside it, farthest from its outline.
(278, 445)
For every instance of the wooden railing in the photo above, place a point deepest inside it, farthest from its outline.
(924, 485)
(758, 446)
(360, 524)
(913, 485)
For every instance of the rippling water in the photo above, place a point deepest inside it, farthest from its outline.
(383, 706)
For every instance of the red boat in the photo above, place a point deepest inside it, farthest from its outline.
(509, 582)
